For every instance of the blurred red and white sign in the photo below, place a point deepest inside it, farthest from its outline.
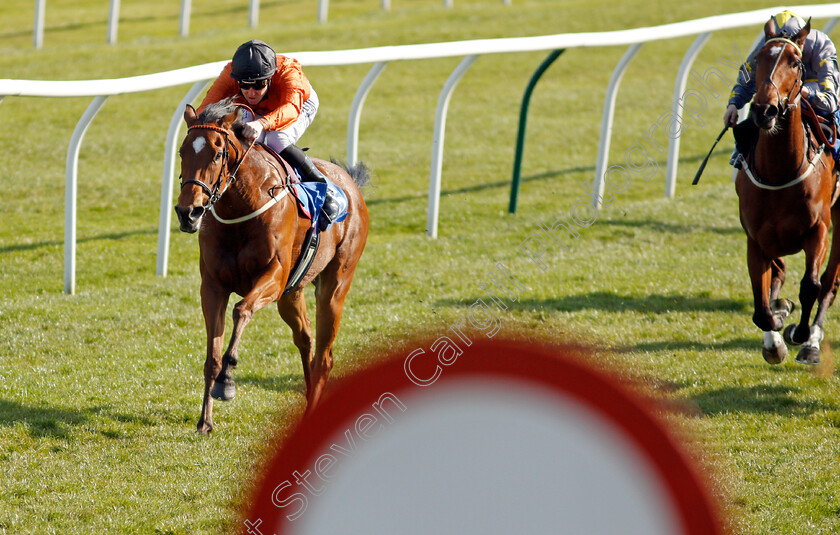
(509, 437)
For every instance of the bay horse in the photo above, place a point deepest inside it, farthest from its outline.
(786, 189)
(251, 242)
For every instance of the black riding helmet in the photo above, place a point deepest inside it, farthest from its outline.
(253, 61)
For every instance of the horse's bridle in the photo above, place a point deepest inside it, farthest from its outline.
(788, 106)
(216, 192)
(797, 86)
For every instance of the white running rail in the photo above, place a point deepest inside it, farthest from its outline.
(114, 19)
(200, 75)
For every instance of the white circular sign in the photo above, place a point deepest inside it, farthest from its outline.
(506, 438)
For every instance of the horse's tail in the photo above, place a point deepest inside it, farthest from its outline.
(360, 172)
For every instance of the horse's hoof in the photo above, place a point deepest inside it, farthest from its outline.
(774, 350)
(810, 352)
(223, 391)
(782, 307)
(204, 428)
(809, 355)
(788, 334)
(774, 356)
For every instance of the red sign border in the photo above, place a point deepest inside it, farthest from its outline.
(555, 367)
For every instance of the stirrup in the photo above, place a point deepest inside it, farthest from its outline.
(736, 160)
(329, 212)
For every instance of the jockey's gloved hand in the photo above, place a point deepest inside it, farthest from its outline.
(252, 130)
(730, 117)
(806, 92)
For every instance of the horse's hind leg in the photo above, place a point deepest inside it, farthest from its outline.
(213, 303)
(265, 291)
(331, 289)
(292, 308)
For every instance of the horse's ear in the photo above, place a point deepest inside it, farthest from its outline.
(229, 119)
(799, 38)
(190, 116)
(771, 29)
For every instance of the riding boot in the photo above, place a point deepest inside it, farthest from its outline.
(294, 155)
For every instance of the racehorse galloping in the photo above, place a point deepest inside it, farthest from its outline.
(223, 174)
(785, 191)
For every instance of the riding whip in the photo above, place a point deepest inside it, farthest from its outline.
(706, 159)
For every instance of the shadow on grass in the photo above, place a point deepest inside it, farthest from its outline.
(609, 302)
(289, 383)
(54, 243)
(670, 228)
(743, 344)
(482, 187)
(49, 422)
(777, 399)
(537, 178)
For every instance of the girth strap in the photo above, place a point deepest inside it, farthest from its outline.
(307, 255)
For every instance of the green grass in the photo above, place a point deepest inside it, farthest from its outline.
(100, 391)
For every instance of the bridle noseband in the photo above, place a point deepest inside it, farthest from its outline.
(216, 192)
(797, 86)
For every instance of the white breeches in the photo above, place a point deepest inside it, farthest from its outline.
(280, 139)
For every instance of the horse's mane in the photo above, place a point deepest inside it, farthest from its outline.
(213, 113)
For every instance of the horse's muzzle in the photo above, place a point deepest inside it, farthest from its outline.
(764, 115)
(189, 218)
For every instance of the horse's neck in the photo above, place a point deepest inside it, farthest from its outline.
(250, 190)
(779, 156)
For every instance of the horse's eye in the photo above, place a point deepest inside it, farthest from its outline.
(217, 157)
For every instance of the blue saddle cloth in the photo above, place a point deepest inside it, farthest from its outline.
(311, 196)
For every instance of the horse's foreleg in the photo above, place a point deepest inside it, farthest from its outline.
(828, 291)
(292, 308)
(829, 283)
(213, 304)
(265, 291)
(760, 278)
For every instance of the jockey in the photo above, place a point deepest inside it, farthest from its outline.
(821, 75)
(284, 102)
